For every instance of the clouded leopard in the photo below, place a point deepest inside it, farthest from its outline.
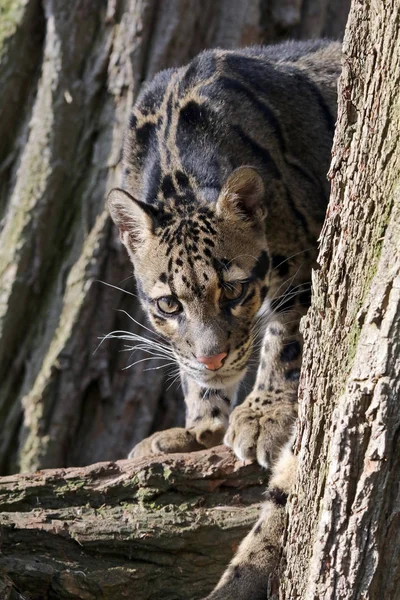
(223, 199)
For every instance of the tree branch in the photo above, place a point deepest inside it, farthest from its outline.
(165, 526)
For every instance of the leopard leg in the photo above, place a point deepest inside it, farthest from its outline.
(249, 573)
(207, 413)
(262, 429)
(260, 426)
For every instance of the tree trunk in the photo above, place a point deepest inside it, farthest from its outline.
(343, 539)
(164, 527)
(69, 72)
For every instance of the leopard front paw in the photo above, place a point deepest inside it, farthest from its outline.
(169, 441)
(209, 432)
(257, 432)
(205, 434)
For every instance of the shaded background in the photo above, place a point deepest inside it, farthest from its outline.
(69, 73)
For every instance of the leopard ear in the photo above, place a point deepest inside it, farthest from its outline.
(133, 218)
(243, 195)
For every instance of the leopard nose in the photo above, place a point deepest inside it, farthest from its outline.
(213, 362)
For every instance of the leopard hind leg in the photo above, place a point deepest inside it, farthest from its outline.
(248, 575)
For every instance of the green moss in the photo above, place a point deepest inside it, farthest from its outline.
(373, 262)
(133, 482)
(167, 473)
(352, 342)
(11, 14)
(71, 486)
(146, 494)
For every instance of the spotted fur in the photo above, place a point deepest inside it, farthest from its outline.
(223, 199)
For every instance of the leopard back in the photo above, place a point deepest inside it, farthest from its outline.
(225, 191)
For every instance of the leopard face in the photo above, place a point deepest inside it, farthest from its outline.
(202, 271)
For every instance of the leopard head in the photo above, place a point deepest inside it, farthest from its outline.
(202, 270)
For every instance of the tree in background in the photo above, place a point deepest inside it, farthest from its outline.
(69, 73)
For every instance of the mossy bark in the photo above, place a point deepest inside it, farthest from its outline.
(343, 539)
(147, 529)
(69, 72)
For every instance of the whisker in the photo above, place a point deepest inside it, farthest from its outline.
(116, 287)
(140, 361)
(173, 373)
(240, 255)
(286, 281)
(134, 320)
(126, 279)
(150, 348)
(299, 288)
(293, 256)
(160, 367)
(173, 382)
(127, 335)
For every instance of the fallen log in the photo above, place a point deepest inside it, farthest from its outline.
(162, 527)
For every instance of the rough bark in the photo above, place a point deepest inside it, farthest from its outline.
(343, 539)
(146, 529)
(69, 72)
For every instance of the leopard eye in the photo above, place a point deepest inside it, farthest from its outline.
(169, 305)
(233, 291)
